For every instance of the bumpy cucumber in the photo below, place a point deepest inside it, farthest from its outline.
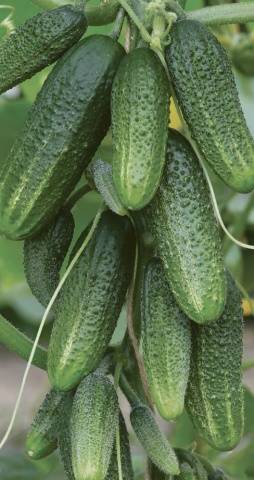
(94, 421)
(155, 474)
(153, 441)
(65, 127)
(127, 470)
(44, 256)
(64, 437)
(214, 397)
(42, 437)
(90, 303)
(182, 221)
(186, 472)
(193, 461)
(140, 100)
(38, 43)
(207, 94)
(166, 356)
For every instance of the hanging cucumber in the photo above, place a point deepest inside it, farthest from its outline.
(90, 302)
(214, 397)
(182, 221)
(126, 464)
(94, 422)
(155, 474)
(166, 342)
(65, 127)
(44, 256)
(186, 457)
(37, 43)
(140, 105)
(205, 88)
(64, 437)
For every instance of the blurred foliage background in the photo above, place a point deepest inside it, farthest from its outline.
(21, 308)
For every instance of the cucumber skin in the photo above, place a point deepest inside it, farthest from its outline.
(94, 421)
(206, 91)
(45, 254)
(186, 457)
(214, 397)
(127, 470)
(155, 474)
(166, 356)
(181, 219)
(37, 43)
(90, 302)
(69, 118)
(140, 114)
(64, 437)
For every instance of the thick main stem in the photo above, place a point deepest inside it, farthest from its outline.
(224, 14)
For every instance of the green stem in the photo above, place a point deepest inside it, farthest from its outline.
(118, 25)
(223, 14)
(248, 364)
(144, 33)
(128, 391)
(19, 343)
(71, 202)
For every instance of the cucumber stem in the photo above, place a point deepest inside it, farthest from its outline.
(118, 25)
(19, 343)
(223, 14)
(128, 391)
(76, 196)
(144, 33)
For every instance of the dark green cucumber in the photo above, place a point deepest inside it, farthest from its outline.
(44, 256)
(94, 422)
(64, 437)
(186, 472)
(126, 464)
(42, 436)
(153, 441)
(155, 474)
(166, 342)
(183, 224)
(65, 127)
(205, 88)
(140, 106)
(90, 302)
(214, 397)
(37, 43)
(186, 457)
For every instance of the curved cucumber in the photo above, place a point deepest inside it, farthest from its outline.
(39, 42)
(182, 221)
(94, 421)
(64, 129)
(215, 395)
(204, 84)
(127, 470)
(44, 256)
(140, 100)
(90, 303)
(166, 342)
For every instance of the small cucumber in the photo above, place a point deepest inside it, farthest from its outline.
(186, 472)
(90, 302)
(37, 43)
(166, 342)
(214, 397)
(193, 461)
(42, 436)
(182, 221)
(94, 421)
(155, 474)
(153, 441)
(44, 256)
(126, 464)
(140, 100)
(206, 91)
(64, 437)
(70, 117)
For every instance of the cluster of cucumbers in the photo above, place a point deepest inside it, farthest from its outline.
(156, 245)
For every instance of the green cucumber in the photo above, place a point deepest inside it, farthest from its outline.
(44, 256)
(193, 461)
(140, 106)
(94, 422)
(214, 397)
(186, 472)
(206, 91)
(64, 437)
(155, 474)
(153, 441)
(182, 221)
(126, 464)
(166, 342)
(64, 129)
(37, 43)
(42, 436)
(90, 302)
(242, 54)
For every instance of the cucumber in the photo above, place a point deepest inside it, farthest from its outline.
(37, 43)
(186, 472)
(206, 91)
(155, 474)
(42, 437)
(140, 104)
(64, 437)
(90, 302)
(214, 397)
(44, 256)
(126, 464)
(153, 441)
(243, 54)
(183, 224)
(70, 117)
(186, 457)
(166, 356)
(94, 421)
